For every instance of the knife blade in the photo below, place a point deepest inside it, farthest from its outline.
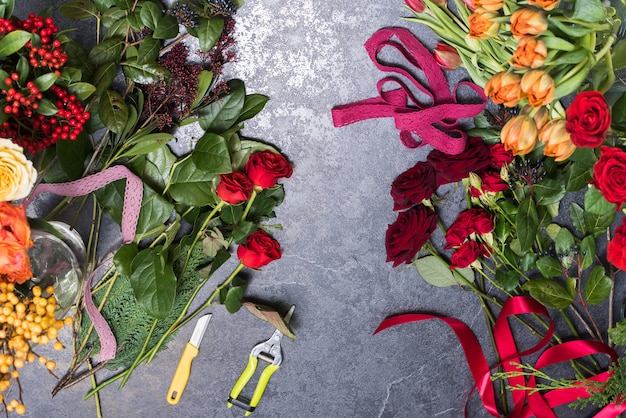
(181, 375)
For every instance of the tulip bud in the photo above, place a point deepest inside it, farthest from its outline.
(446, 56)
(539, 87)
(544, 4)
(418, 6)
(504, 88)
(470, 4)
(489, 5)
(519, 135)
(541, 117)
(528, 21)
(530, 53)
(481, 26)
(556, 140)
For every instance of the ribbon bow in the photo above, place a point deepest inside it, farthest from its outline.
(435, 123)
(525, 404)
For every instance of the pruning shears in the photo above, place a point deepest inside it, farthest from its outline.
(268, 351)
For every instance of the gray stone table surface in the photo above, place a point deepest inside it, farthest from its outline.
(308, 56)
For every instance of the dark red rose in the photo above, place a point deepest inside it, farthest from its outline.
(492, 182)
(234, 188)
(468, 222)
(413, 186)
(499, 156)
(609, 175)
(259, 250)
(467, 253)
(616, 250)
(406, 236)
(451, 168)
(265, 168)
(588, 119)
(455, 236)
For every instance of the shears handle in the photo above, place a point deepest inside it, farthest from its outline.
(246, 375)
(261, 385)
(243, 380)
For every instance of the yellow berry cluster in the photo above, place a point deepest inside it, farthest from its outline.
(25, 321)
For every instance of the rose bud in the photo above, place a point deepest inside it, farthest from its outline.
(538, 86)
(544, 4)
(530, 53)
(446, 56)
(519, 135)
(504, 88)
(259, 250)
(556, 140)
(418, 6)
(588, 119)
(489, 5)
(234, 188)
(481, 26)
(265, 168)
(528, 21)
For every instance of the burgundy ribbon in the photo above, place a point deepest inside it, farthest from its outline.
(130, 214)
(435, 123)
(524, 404)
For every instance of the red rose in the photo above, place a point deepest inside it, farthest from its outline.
(234, 188)
(467, 253)
(609, 175)
(413, 186)
(455, 236)
(499, 156)
(408, 233)
(259, 250)
(492, 182)
(266, 167)
(616, 250)
(468, 222)
(588, 119)
(452, 168)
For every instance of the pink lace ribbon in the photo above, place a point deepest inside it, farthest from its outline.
(525, 404)
(130, 214)
(435, 123)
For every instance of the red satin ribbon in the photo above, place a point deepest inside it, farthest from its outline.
(524, 404)
(435, 123)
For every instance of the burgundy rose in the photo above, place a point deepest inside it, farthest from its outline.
(455, 236)
(499, 156)
(413, 186)
(265, 168)
(467, 253)
(259, 250)
(234, 188)
(406, 236)
(616, 250)
(468, 222)
(452, 168)
(588, 119)
(492, 182)
(609, 175)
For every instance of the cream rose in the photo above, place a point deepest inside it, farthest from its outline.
(17, 174)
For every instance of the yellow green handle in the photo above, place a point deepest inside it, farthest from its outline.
(260, 387)
(247, 373)
(179, 381)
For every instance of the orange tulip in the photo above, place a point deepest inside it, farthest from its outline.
(530, 53)
(544, 4)
(528, 22)
(519, 135)
(446, 56)
(539, 87)
(541, 117)
(556, 140)
(504, 88)
(489, 5)
(481, 26)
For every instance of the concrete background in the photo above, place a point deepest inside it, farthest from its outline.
(308, 56)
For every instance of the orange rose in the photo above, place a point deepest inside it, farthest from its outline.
(539, 87)
(544, 4)
(519, 135)
(556, 140)
(14, 265)
(504, 88)
(14, 241)
(530, 53)
(528, 22)
(489, 5)
(481, 26)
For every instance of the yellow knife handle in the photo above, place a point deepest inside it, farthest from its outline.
(260, 387)
(179, 381)
(247, 373)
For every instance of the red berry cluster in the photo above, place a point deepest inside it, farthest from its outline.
(20, 101)
(42, 26)
(6, 26)
(50, 55)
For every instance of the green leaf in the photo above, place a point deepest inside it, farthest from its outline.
(124, 4)
(596, 204)
(47, 108)
(509, 280)
(150, 14)
(577, 216)
(13, 42)
(549, 267)
(104, 77)
(589, 11)
(82, 90)
(526, 223)
(112, 15)
(167, 28)
(204, 82)
(598, 286)
(45, 81)
(148, 50)
(148, 143)
(549, 292)
(124, 257)
(154, 167)
(242, 230)
(270, 315)
(579, 175)
(221, 114)
(209, 31)
(435, 272)
(72, 155)
(564, 246)
(253, 104)
(211, 154)
(147, 73)
(549, 191)
(233, 299)
(597, 224)
(153, 282)
(79, 10)
(231, 214)
(528, 262)
(265, 202)
(113, 111)
(587, 252)
(618, 333)
(192, 186)
(106, 51)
